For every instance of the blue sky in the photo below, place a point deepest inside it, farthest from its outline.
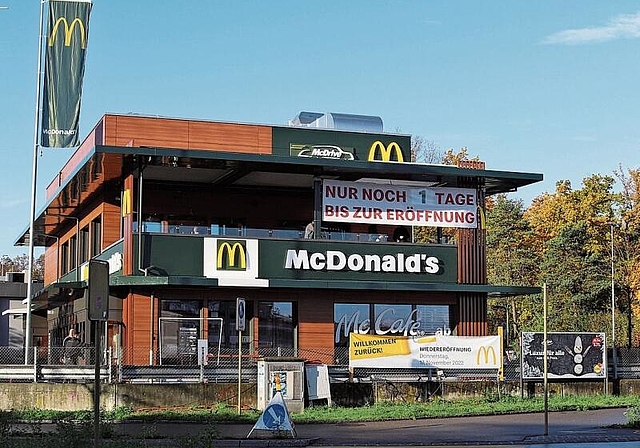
(547, 86)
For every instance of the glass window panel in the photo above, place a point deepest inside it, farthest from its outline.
(433, 318)
(392, 319)
(96, 236)
(347, 318)
(226, 310)
(179, 330)
(276, 327)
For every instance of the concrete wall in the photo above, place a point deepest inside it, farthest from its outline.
(73, 396)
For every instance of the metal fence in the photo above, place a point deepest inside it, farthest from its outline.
(60, 364)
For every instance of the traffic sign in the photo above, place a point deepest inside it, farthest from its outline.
(240, 314)
(98, 285)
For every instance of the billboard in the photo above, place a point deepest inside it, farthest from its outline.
(569, 355)
(381, 203)
(424, 352)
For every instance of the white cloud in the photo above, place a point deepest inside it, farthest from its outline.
(623, 26)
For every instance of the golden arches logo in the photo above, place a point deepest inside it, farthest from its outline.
(482, 218)
(232, 255)
(68, 32)
(126, 203)
(486, 351)
(385, 152)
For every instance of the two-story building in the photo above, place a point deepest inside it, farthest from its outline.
(313, 227)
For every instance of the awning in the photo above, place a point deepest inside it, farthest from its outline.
(14, 312)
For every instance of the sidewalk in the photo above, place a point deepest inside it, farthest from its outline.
(564, 427)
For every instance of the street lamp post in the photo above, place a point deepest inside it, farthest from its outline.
(613, 297)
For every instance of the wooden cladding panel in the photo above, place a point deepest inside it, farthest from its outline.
(143, 131)
(472, 264)
(136, 317)
(110, 224)
(184, 134)
(472, 318)
(230, 137)
(472, 248)
(315, 329)
(51, 264)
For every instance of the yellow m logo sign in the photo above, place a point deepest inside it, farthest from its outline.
(486, 351)
(232, 255)
(482, 218)
(126, 203)
(68, 32)
(385, 152)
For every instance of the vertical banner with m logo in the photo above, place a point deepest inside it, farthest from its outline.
(66, 45)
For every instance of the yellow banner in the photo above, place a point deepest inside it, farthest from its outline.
(366, 346)
(429, 351)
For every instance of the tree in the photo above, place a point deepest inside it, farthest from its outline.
(509, 259)
(20, 263)
(578, 289)
(425, 151)
(627, 253)
(451, 157)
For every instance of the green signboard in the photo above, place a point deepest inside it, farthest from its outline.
(332, 144)
(341, 261)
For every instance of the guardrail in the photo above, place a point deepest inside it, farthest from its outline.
(19, 373)
(53, 366)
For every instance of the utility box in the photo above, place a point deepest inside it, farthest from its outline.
(281, 374)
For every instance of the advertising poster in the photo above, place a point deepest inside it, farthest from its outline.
(569, 355)
(424, 352)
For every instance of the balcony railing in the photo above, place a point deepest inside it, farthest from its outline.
(249, 232)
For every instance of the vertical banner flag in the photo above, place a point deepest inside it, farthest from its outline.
(66, 46)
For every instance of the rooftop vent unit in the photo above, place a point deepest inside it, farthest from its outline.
(343, 122)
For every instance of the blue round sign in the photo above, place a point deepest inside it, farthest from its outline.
(274, 416)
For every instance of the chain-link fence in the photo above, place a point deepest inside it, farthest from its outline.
(213, 365)
(54, 364)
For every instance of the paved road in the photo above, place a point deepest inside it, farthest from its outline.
(516, 429)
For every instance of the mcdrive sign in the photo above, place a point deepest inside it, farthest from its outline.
(321, 260)
(373, 203)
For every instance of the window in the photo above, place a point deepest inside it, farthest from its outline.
(226, 310)
(348, 318)
(179, 331)
(393, 320)
(276, 328)
(386, 319)
(84, 244)
(64, 258)
(73, 248)
(433, 318)
(96, 236)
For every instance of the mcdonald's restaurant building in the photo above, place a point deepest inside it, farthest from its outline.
(313, 227)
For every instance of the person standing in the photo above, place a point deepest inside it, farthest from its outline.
(71, 345)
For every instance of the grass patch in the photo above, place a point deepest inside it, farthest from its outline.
(323, 414)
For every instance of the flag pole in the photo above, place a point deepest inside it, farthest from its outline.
(28, 333)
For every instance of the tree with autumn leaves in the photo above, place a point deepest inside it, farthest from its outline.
(564, 240)
(569, 240)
